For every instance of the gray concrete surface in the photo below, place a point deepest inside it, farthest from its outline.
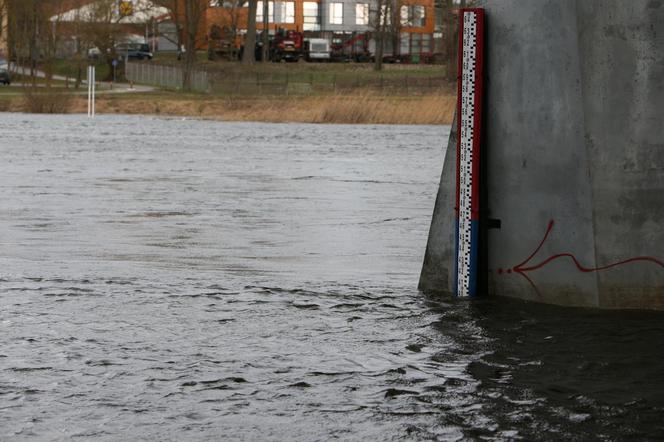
(574, 146)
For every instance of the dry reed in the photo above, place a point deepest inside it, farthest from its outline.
(340, 109)
(46, 101)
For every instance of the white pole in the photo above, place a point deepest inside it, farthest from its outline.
(89, 90)
(94, 89)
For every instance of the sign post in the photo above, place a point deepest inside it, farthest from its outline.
(115, 68)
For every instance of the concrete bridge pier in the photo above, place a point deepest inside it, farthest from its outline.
(573, 156)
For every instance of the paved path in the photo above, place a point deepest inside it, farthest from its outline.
(103, 87)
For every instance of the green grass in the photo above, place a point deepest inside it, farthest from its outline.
(305, 70)
(69, 68)
(344, 75)
(235, 78)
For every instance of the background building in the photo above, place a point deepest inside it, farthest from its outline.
(348, 23)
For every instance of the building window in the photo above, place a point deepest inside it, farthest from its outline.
(415, 43)
(311, 17)
(286, 12)
(259, 12)
(418, 16)
(228, 4)
(336, 13)
(413, 16)
(362, 14)
(426, 43)
(403, 13)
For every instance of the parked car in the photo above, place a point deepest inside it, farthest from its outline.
(5, 78)
(134, 51)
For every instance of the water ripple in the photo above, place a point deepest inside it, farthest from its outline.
(188, 279)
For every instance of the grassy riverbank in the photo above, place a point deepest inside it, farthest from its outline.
(364, 108)
(343, 93)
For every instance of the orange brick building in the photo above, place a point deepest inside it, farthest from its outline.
(412, 21)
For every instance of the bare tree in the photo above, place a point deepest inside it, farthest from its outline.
(248, 57)
(234, 12)
(99, 24)
(174, 8)
(223, 36)
(25, 23)
(98, 27)
(193, 13)
(265, 48)
(4, 24)
(187, 16)
(385, 24)
(84, 38)
(30, 35)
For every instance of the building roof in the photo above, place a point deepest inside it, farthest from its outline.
(107, 11)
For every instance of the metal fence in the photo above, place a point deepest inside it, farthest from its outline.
(282, 83)
(165, 76)
(321, 83)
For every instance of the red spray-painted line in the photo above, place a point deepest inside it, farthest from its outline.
(521, 270)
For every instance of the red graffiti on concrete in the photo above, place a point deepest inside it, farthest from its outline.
(523, 268)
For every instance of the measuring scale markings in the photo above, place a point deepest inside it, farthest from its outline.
(469, 111)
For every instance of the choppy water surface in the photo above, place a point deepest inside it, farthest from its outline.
(173, 279)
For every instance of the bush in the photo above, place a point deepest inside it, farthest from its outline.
(46, 101)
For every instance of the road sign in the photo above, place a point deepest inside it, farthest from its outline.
(126, 8)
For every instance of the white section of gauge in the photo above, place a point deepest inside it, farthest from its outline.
(468, 78)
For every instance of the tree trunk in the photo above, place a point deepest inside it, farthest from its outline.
(452, 38)
(378, 61)
(248, 56)
(266, 32)
(191, 28)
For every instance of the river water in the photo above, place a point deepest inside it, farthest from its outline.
(177, 279)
